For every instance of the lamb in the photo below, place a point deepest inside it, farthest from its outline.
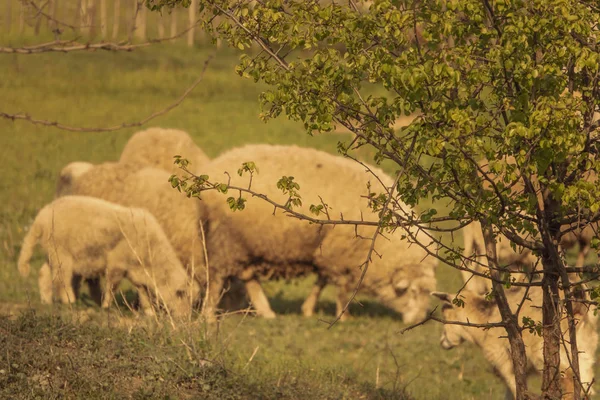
(256, 241)
(124, 184)
(64, 183)
(496, 348)
(156, 147)
(91, 238)
(149, 188)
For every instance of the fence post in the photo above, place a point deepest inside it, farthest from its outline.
(116, 19)
(103, 19)
(140, 21)
(161, 26)
(191, 21)
(174, 13)
(8, 15)
(21, 19)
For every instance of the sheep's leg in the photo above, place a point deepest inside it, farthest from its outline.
(62, 271)
(113, 278)
(259, 299)
(76, 284)
(340, 302)
(503, 363)
(309, 305)
(145, 303)
(95, 290)
(584, 249)
(45, 283)
(215, 287)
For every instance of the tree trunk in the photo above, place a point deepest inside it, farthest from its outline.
(191, 21)
(140, 21)
(515, 339)
(551, 332)
(116, 18)
(551, 308)
(8, 15)
(103, 19)
(174, 22)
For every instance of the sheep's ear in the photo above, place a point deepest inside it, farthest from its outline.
(445, 297)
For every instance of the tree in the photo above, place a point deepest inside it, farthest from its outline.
(512, 85)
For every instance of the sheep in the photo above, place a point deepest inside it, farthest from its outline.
(494, 344)
(92, 238)
(156, 147)
(149, 188)
(67, 176)
(256, 241)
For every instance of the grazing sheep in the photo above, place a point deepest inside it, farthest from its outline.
(149, 188)
(258, 242)
(495, 345)
(156, 147)
(92, 238)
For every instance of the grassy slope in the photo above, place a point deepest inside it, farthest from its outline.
(100, 89)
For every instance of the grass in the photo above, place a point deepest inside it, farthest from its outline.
(53, 353)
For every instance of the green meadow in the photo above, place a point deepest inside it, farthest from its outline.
(84, 352)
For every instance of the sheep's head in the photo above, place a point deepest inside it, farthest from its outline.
(474, 308)
(409, 297)
(181, 294)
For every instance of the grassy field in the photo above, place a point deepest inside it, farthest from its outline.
(82, 352)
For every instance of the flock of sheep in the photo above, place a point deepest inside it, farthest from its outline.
(124, 220)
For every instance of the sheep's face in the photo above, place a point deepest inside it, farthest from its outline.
(181, 298)
(405, 298)
(452, 335)
(411, 297)
(474, 309)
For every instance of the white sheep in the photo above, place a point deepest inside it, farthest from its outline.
(495, 345)
(257, 242)
(149, 188)
(66, 177)
(156, 147)
(92, 238)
